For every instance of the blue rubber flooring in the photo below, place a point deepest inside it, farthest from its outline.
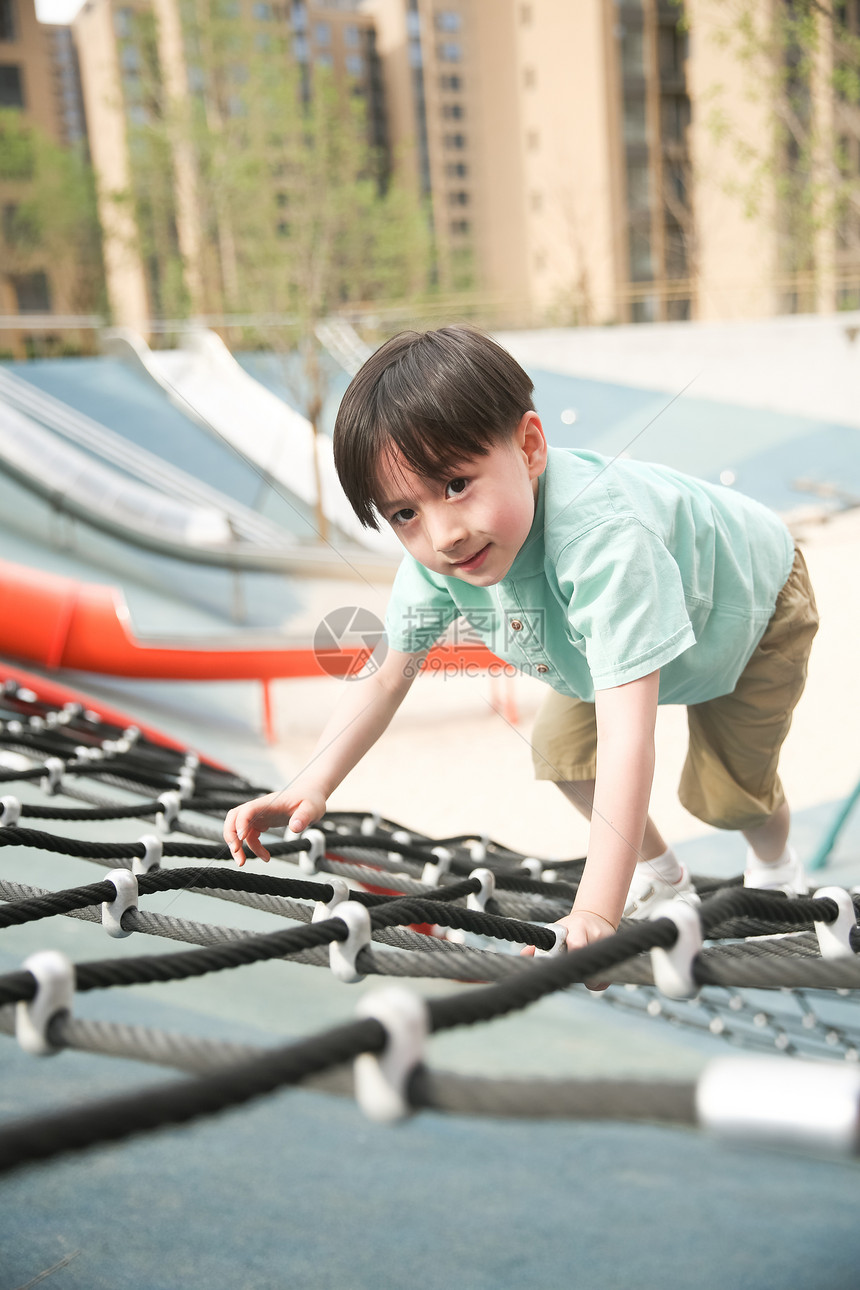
(299, 1189)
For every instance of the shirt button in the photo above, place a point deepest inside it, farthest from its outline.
(516, 625)
(541, 667)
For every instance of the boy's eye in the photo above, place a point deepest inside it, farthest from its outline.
(401, 517)
(456, 486)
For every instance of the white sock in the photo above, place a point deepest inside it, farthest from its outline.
(667, 866)
(786, 861)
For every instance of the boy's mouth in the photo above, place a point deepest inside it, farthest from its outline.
(474, 561)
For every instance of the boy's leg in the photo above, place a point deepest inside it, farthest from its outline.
(581, 794)
(769, 840)
(730, 779)
(564, 750)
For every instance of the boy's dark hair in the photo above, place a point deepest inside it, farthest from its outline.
(438, 397)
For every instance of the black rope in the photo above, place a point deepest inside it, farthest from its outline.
(116, 1118)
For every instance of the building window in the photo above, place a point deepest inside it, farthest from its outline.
(645, 310)
(322, 33)
(638, 186)
(122, 23)
(455, 141)
(300, 49)
(458, 198)
(130, 59)
(351, 36)
(459, 227)
(325, 60)
(32, 293)
(634, 119)
(672, 51)
(641, 264)
(7, 21)
(299, 17)
(448, 20)
(453, 111)
(674, 116)
(11, 86)
(354, 64)
(453, 83)
(449, 51)
(632, 53)
(456, 170)
(263, 12)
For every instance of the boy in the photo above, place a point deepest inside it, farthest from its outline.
(622, 585)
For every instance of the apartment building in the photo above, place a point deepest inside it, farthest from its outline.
(582, 162)
(38, 80)
(618, 160)
(143, 58)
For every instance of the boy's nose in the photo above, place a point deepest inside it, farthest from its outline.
(446, 532)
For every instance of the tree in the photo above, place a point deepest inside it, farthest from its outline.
(802, 61)
(258, 194)
(50, 221)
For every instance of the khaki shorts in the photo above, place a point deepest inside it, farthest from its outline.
(730, 776)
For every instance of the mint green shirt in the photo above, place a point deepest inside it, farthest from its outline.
(628, 568)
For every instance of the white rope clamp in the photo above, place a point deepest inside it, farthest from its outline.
(125, 883)
(533, 867)
(381, 1079)
(432, 874)
(308, 860)
(807, 1105)
(342, 954)
(153, 850)
(478, 849)
(478, 899)
(327, 909)
(167, 818)
(399, 835)
(11, 811)
(187, 777)
(370, 824)
(560, 934)
(55, 988)
(834, 939)
(673, 968)
(52, 782)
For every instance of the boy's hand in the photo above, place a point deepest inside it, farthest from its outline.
(583, 928)
(291, 807)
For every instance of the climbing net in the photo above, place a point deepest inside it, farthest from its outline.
(370, 899)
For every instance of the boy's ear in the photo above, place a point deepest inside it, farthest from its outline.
(531, 439)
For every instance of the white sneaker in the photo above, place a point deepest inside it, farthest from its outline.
(786, 875)
(648, 890)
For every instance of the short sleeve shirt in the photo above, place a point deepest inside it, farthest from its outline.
(628, 567)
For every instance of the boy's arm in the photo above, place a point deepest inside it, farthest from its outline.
(626, 716)
(362, 714)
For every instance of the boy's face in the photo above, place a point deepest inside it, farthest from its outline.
(471, 525)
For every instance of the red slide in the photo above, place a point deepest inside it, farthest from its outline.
(61, 623)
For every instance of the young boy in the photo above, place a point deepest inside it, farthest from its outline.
(622, 585)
